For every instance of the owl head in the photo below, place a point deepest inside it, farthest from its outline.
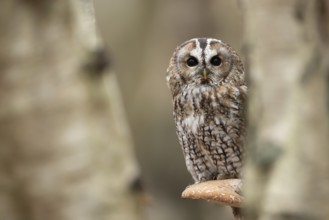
(203, 62)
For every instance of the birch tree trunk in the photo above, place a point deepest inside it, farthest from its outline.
(287, 174)
(65, 149)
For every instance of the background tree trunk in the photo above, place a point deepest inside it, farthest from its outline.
(65, 148)
(287, 54)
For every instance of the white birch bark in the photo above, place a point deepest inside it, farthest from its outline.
(287, 174)
(65, 148)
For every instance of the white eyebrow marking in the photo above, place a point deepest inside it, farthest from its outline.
(208, 51)
(197, 52)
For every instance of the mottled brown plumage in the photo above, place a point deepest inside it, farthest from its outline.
(206, 79)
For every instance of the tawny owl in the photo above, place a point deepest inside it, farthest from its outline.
(207, 82)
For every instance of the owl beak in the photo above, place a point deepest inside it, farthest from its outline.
(205, 73)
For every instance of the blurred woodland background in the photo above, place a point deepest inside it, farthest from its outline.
(141, 36)
(86, 126)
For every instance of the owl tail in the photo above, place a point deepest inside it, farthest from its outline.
(237, 212)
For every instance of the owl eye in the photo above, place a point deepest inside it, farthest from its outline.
(192, 61)
(216, 61)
